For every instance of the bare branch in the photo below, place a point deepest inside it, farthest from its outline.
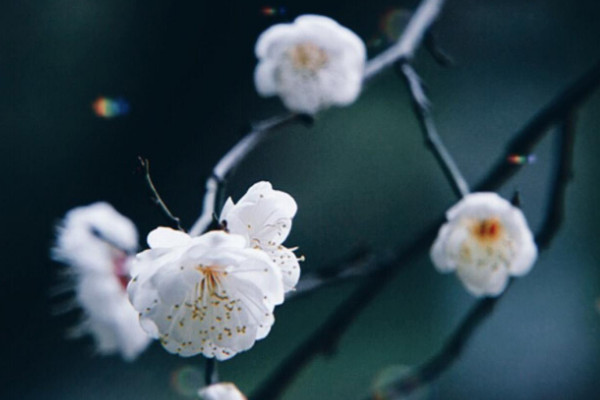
(145, 163)
(434, 142)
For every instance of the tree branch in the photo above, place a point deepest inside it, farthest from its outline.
(145, 163)
(422, 108)
(324, 339)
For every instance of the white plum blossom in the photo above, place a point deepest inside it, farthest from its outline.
(311, 64)
(486, 240)
(209, 294)
(221, 391)
(264, 217)
(97, 243)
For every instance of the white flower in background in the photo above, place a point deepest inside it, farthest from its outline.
(486, 240)
(96, 242)
(221, 391)
(312, 63)
(209, 294)
(264, 217)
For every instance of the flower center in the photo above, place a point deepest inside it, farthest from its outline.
(211, 281)
(487, 230)
(308, 56)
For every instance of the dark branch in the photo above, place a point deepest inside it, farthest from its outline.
(324, 339)
(145, 163)
(357, 263)
(433, 368)
(557, 110)
(556, 208)
(211, 372)
(422, 109)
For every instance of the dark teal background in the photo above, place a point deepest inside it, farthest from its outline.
(361, 176)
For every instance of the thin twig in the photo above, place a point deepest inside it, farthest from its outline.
(404, 49)
(422, 108)
(323, 340)
(145, 163)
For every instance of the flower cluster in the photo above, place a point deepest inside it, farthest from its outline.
(310, 64)
(97, 243)
(214, 294)
(486, 240)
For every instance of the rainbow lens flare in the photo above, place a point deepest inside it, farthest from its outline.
(106, 107)
(271, 11)
(517, 159)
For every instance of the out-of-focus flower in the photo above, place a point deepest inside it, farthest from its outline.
(96, 242)
(312, 63)
(486, 240)
(209, 294)
(264, 217)
(221, 391)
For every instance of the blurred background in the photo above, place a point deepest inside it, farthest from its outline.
(181, 76)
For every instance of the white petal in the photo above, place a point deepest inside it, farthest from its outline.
(484, 281)
(221, 391)
(257, 270)
(262, 215)
(163, 237)
(288, 264)
(265, 78)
